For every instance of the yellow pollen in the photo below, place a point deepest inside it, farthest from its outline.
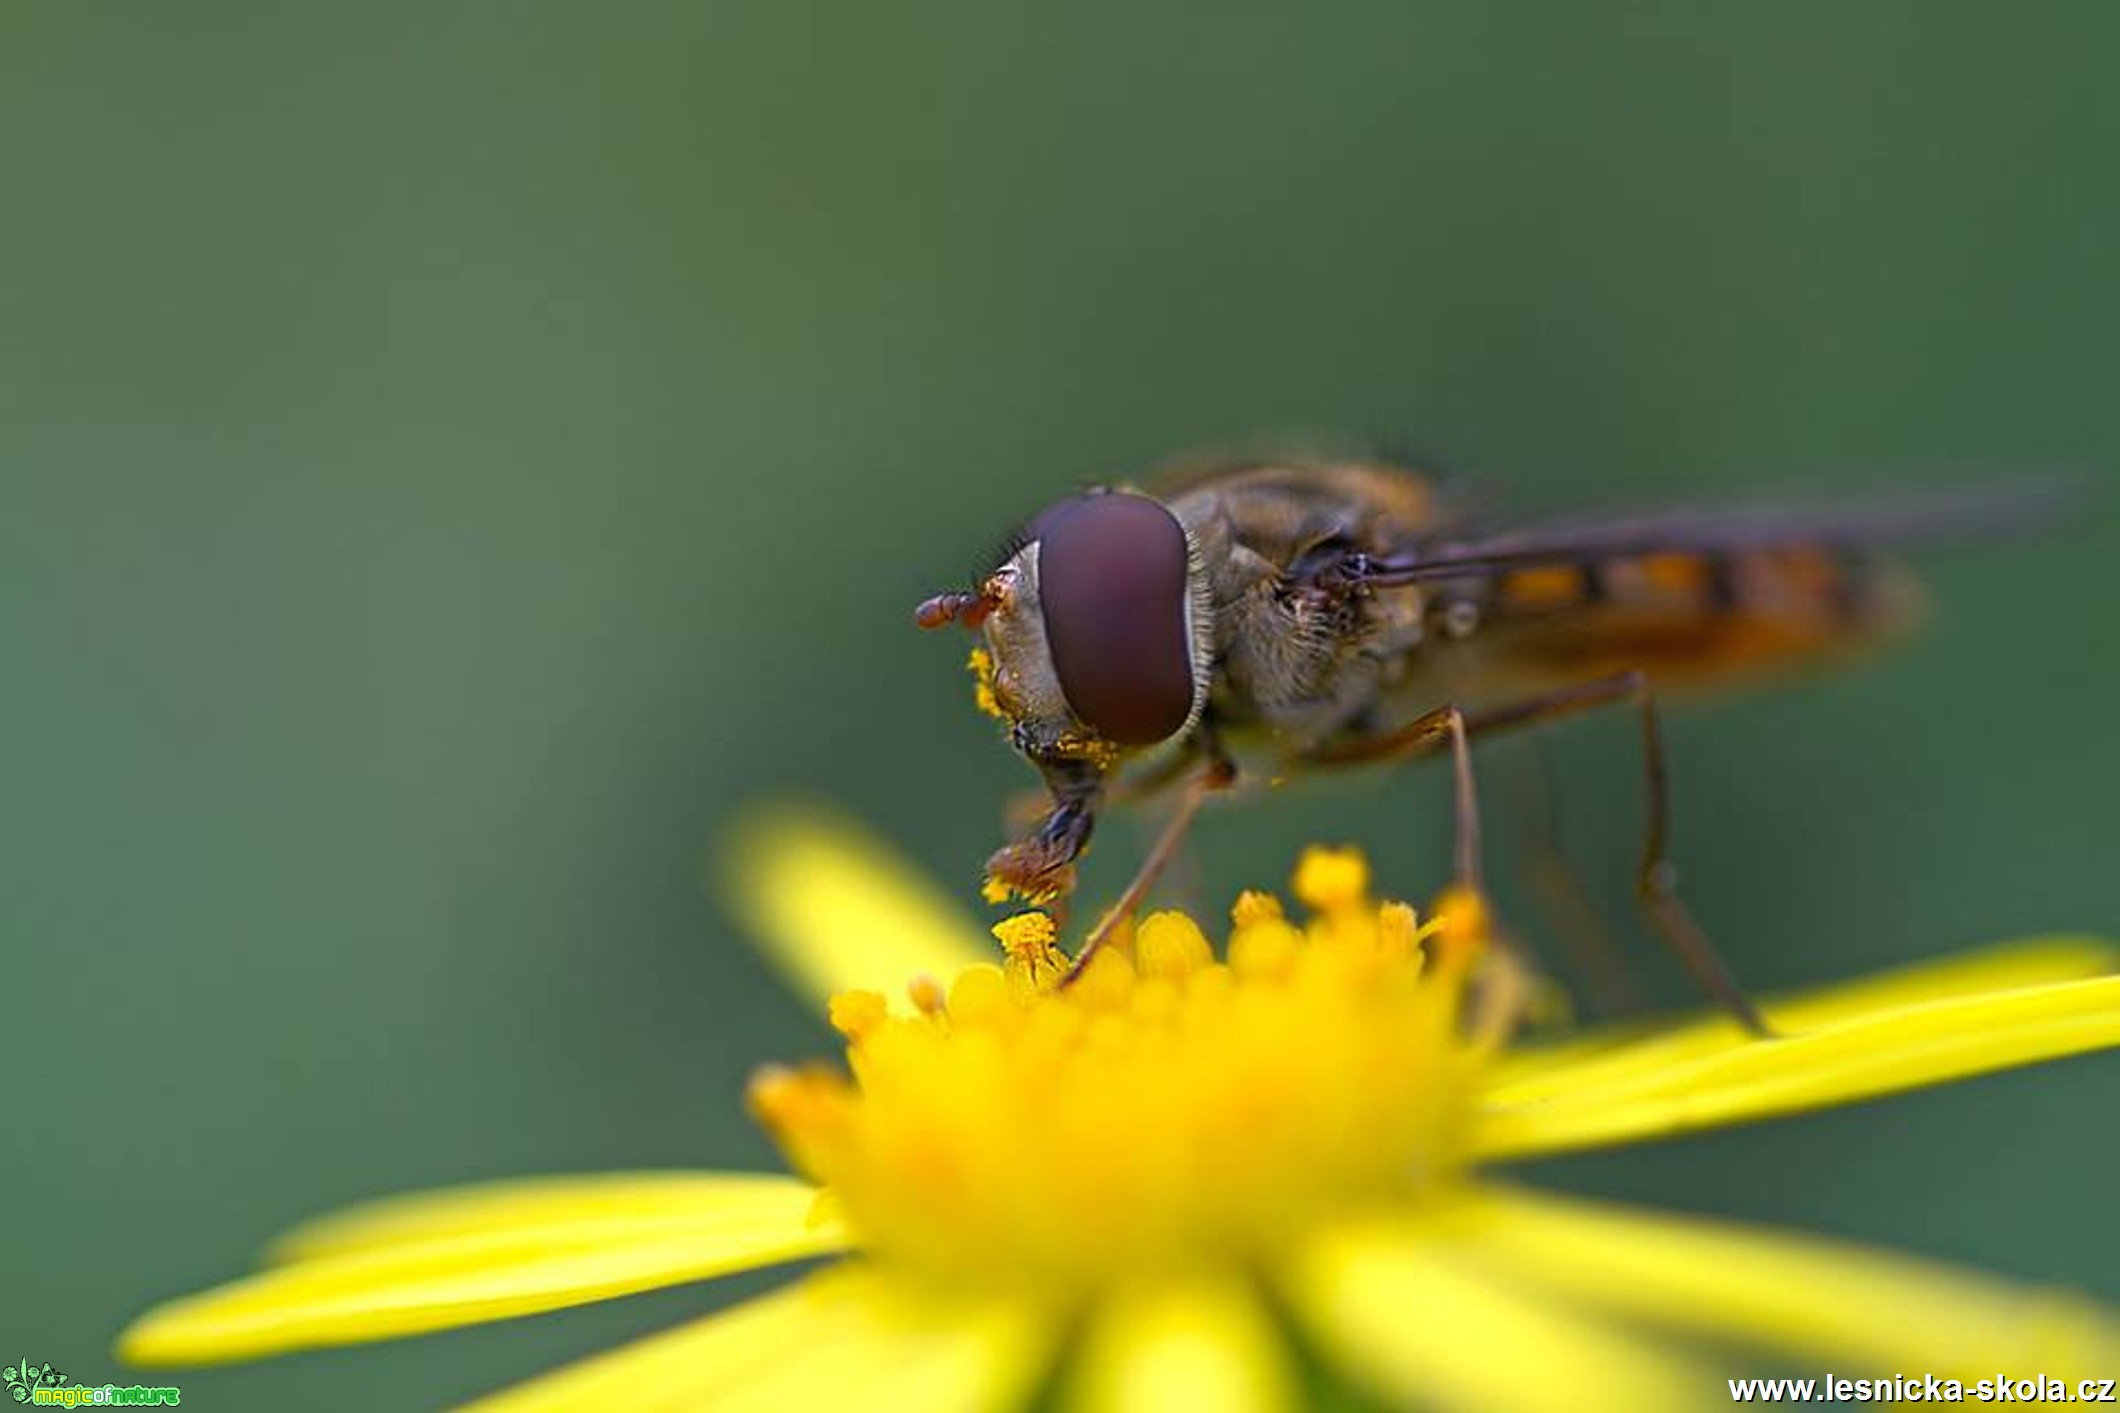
(1026, 935)
(1030, 943)
(1263, 950)
(856, 1013)
(1327, 1055)
(1400, 932)
(926, 995)
(978, 995)
(1170, 945)
(1462, 922)
(1253, 906)
(1329, 880)
(981, 664)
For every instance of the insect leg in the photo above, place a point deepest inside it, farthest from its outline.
(1558, 889)
(1426, 733)
(1500, 999)
(1025, 809)
(1217, 776)
(1656, 883)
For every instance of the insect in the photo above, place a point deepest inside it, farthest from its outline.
(1326, 612)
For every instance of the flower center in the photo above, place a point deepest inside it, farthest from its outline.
(1164, 1108)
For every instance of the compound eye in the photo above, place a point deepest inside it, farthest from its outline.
(1112, 585)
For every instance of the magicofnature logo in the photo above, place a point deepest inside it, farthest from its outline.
(24, 1377)
(45, 1386)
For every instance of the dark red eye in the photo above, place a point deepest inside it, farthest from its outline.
(1111, 580)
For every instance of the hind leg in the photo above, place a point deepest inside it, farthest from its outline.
(1656, 881)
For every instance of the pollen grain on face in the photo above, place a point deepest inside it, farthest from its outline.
(1168, 1109)
(981, 665)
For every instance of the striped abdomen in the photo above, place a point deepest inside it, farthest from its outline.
(1687, 618)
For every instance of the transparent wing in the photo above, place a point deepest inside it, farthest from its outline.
(1979, 514)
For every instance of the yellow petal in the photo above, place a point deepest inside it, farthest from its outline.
(441, 1277)
(1606, 1052)
(1839, 1061)
(1196, 1343)
(1866, 1311)
(846, 1338)
(837, 910)
(539, 1205)
(1402, 1305)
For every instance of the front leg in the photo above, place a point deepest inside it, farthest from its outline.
(1040, 867)
(1030, 808)
(1220, 773)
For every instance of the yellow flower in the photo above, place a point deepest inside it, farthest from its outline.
(1184, 1181)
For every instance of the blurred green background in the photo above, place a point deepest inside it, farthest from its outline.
(454, 455)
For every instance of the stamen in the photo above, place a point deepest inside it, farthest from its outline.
(855, 1014)
(1331, 880)
(1334, 1053)
(1170, 945)
(926, 994)
(1030, 941)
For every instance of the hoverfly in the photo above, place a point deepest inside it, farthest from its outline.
(1335, 611)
